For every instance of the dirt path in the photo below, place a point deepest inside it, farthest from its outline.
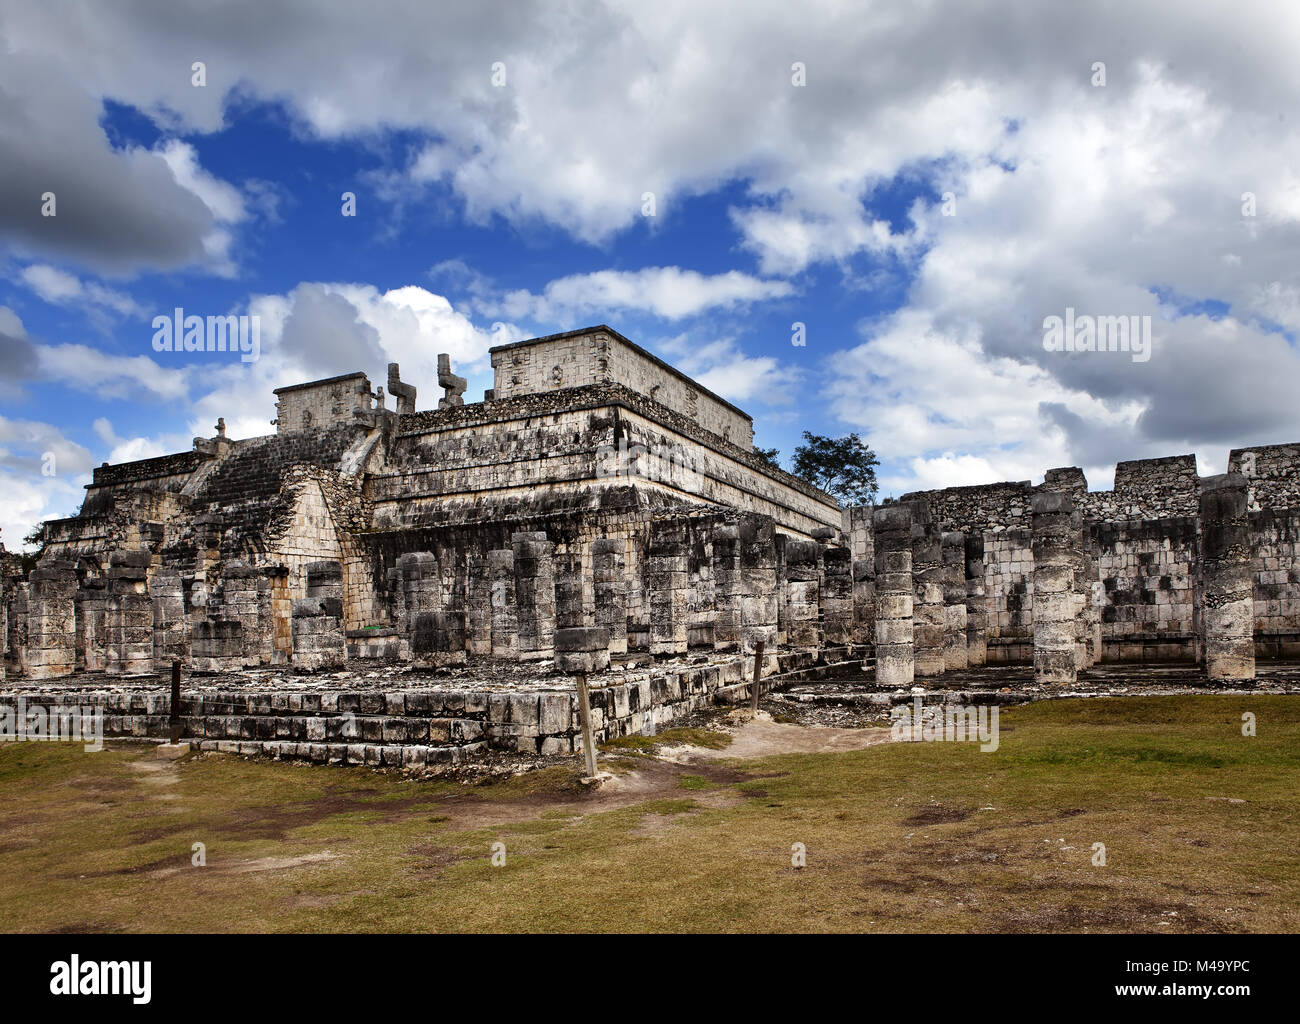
(759, 736)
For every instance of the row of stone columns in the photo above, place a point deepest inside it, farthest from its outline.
(930, 605)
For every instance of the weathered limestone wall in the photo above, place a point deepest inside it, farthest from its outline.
(1147, 570)
(1275, 543)
(1008, 583)
(1272, 475)
(603, 356)
(453, 464)
(322, 403)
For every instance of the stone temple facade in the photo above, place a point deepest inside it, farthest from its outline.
(600, 509)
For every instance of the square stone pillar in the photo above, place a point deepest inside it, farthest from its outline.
(316, 628)
(51, 620)
(421, 587)
(535, 595)
(1228, 615)
(129, 615)
(927, 581)
(609, 573)
(837, 595)
(478, 616)
(727, 587)
(1056, 629)
(803, 601)
(667, 581)
(977, 648)
(504, 624)
(92, 623)
(758, 582)
(246, 599)
(171, 627)
(862, 545)
(953, 546)
(569, 613)
(895, 657)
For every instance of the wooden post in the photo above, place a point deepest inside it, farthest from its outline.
(588, 740)
(175, 722)
(758, 674)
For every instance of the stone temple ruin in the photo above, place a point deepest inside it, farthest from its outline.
(404, 586)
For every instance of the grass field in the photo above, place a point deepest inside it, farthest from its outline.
(1200, 824)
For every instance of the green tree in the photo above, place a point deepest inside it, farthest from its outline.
(771, 455)
(842, 466)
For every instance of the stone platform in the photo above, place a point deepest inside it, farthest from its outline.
(401, 717)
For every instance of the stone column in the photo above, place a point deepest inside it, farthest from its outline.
(171, 628)
(535, 595)
(246, 596)
(782, 588)
(478, 616)
(1055, 620)
(758, 583)
(421, 600)
(17, 636)
(953, 546)
(51, 620)
(837, 595)
(892, 529)
(669, 610)
(281, 617)
(317, 633)
(92, 623)
(129, 615)
(610, 580)
(976, 602)
(861, 543)
(1081, 589)
(568, 590)
(505, 624)
(727, 587)
(927, 581)
(802, 588)
(1228, 617)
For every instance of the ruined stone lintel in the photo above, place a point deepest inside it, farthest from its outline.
(894, 627)
(1228, 615)
(582, 649)
(1056, 628)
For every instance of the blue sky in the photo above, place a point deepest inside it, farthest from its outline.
(489, 210)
